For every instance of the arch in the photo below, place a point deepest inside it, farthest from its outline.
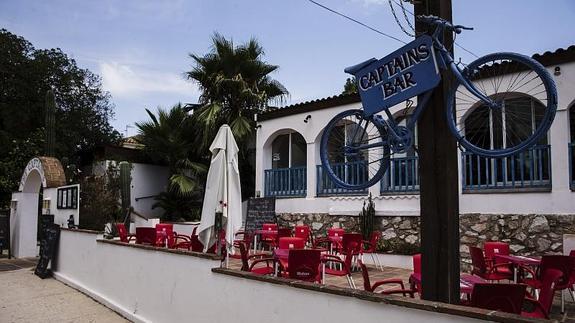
(47, 171)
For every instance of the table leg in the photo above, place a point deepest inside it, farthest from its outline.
(255, 243)
(515, 274)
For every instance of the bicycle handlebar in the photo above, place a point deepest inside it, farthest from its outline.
(436, 21)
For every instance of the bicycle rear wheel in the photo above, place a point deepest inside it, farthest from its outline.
(526, 100)
(354, 151)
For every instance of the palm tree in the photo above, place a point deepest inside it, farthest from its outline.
(235, 84)
(167, 139)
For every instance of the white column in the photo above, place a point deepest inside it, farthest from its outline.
(311, 176)
(259, 181)
(559, 138)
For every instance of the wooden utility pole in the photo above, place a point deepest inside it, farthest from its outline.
(439, 199)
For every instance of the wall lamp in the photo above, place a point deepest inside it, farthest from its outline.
(258, 126)
(557, 70)
(307, 118)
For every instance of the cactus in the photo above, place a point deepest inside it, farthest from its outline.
(50, 136)
(125, 185)
(367, 218)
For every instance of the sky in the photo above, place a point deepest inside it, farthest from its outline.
(141, 48)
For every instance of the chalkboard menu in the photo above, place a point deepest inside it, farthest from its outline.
(5, 232)
(260, 210)
(44, 221)
(48, 250)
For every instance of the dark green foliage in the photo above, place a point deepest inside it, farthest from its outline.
(50, 141)
(350, 86)
(235, 84)
(367, 218)
(83, 113)
(179, 208)
(125, 184)
(398, 247)
(100, 195)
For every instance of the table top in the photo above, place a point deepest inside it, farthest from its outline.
(266, 232)
(522, 260)
(466, 282)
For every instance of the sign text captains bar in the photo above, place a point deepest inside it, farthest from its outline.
(405, 73)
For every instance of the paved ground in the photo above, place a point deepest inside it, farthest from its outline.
(26, 298)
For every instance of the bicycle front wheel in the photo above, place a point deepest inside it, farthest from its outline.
(526, 102)
(354, 151)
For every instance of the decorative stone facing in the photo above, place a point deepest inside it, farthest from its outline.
(532, 234)
(405, 228)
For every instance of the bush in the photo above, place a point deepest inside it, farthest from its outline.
(100, 196)
(398, 246)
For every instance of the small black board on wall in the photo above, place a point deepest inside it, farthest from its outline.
(5, 232)
(48, 250)
(260, 210)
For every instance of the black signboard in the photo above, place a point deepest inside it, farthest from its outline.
(48, 250)
(260, 210)
(5, 232)
(44, 221)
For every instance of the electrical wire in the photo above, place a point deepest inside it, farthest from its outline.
(357, 21)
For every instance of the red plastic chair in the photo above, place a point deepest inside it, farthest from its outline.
(499, 297)
(345, 266)
(415, 277)
(302, 231)
(564, 264)
(493, 248)
(481, 269)
(304, 264)
(371, 288)
(165, 235)
(145, 235)
(335, 232)
(371, 248)
(256, 260)
(269, 238)
(123, 233)
(542, 306)
(246, 239)
(291, 243)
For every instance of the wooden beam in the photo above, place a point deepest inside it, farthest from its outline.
(439, 199)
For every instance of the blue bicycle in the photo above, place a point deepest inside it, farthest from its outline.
(498, 105)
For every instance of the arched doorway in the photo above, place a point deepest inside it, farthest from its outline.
(40, 173)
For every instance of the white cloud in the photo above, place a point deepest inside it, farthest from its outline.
(125, 80)
(371, 2)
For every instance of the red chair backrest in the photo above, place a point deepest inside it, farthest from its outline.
(284, 232)
(500, 297)
(145, 235)
(417, 263)
(365, 275)
(269, 226)
(335, 232)
(549, 278)
(352, 241)
(122, 232)
(195, 243)
(304, 264)
(477, 259)
(302, 231)
(495, 247)
(564, 264)
(291, 243)
(374, 240)
(165, 231)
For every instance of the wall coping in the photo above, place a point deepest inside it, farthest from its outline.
(160, 249)
(82, 230)
(417, 304)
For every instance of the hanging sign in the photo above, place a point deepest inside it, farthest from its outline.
(405, 73)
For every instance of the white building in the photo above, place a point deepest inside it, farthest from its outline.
(533, 201)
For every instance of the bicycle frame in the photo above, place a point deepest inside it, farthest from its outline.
(445, 61)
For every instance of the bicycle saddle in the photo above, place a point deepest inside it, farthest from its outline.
(355, 68)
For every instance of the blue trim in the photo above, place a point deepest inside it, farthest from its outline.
(325, 186)
(528, 169)
(284, 182)
(402, 176)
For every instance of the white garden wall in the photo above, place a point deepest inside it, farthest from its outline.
(147, 285)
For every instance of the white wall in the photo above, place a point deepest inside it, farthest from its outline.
(24, 224)
(61, 216)
(156, 286)
(559, 201)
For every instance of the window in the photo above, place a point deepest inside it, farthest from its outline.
(289, 150)
(67, 198)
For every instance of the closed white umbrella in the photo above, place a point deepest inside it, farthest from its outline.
(223, 191)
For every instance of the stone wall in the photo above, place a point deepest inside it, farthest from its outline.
(533, 234)
(397, 228)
